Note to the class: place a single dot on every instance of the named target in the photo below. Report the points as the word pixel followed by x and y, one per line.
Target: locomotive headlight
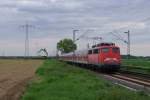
pixel 106 59
pixel 114 59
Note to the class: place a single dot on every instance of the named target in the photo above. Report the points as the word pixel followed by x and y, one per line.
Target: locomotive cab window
pixel 96 51
pixel 90 52
pixel 105 50
pixel 115 50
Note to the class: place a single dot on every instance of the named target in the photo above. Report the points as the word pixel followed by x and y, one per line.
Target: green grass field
pixel 141 65
pixel 60 81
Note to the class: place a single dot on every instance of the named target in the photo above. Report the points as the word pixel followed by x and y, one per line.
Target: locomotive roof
pixel 103 47
pixel 103 44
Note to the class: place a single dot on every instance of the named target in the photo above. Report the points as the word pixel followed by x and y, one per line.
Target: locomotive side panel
pixel 94 57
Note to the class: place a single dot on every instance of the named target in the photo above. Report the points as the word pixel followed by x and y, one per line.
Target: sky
pixel 53 20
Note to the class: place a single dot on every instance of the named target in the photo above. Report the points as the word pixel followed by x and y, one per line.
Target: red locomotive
pixel 105 56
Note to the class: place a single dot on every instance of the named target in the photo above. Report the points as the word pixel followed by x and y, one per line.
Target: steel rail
pixel 138 81
pixel 137 74
pixel 130 78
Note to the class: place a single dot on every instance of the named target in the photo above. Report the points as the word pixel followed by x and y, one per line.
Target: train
pixel 102 56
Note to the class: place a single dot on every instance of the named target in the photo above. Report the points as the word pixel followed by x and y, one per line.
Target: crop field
pixel 60 81
pixel 142 65
pixel 14 75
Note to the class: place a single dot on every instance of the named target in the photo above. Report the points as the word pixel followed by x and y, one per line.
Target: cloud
pixel 127 24
pixel 140 49
pixel 55 20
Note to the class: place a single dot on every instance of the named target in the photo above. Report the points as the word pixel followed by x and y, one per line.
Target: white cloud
pixel 127 25
pixel 61 16
pixel 53 1
pixel 140 49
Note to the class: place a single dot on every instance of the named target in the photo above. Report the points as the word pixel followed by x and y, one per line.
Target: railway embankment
pixel 59 80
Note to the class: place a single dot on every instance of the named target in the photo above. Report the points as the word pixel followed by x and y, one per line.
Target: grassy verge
pixel 140 65
pixel 60 81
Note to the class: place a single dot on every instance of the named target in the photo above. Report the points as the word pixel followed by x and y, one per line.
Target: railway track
pixel 141 75
pixel 131 80
pixel 140 78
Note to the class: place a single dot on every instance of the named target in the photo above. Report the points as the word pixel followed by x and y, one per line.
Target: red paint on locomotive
pixel 105 55
pixel 100 54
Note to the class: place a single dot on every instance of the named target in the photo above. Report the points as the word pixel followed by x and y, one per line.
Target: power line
pixel 118 37
pixel 84 34
pixel 27 28
pixel 143 20
pixel 128 34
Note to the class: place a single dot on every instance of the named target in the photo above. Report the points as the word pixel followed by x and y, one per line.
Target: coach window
pixel 96 51
pixel 90 52
pixel 105 50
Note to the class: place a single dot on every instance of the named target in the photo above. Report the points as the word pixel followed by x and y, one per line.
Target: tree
pixel 66 46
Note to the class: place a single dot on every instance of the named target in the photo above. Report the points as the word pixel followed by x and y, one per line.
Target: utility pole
pixel 74 35
pixel 128 43
pixel 27 27
pixel 125 41
pixel 74 38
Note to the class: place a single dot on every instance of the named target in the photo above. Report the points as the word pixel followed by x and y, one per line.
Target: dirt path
pixel 14 75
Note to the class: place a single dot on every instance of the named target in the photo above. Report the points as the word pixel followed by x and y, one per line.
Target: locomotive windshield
pixel 90 52
pixel 96 51
pixel 115 50
pixel 105 50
